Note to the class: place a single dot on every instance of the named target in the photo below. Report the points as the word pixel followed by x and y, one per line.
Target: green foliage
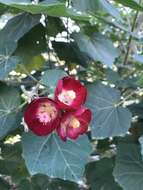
pixel 51 77
pixel 132 4
pixel 9 101
pixel 110 119
pixel 100 43
pixel 128 170
pixel 96 7
pixel 97 47
pixel 42 154
pixel 99 175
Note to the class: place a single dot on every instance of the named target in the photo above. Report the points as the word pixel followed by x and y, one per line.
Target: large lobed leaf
pixel 17 26
pixel 7 61
pixel 9 102
pixel 128 171
pixel 9 35
pixel 96 6
pixel 97 47
pixel 49 155
pixel 56 8
pixel 109 119
pixel 51 77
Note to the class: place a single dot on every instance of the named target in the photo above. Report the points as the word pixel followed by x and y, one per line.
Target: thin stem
pixel 128 96
pixel 47 43
pixel 67 23
pixel 32 77
pixel 131 37
pixel 68 35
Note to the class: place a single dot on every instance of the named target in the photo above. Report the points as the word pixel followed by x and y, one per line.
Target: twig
pixel 32 77
pixel 131 37
pixel 128 96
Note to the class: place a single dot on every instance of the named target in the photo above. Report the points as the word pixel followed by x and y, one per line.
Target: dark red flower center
pixel 46 112
pixel 67 96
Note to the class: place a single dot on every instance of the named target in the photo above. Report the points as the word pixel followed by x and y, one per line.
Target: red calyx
pixel 70 94
pixel 74 124
pixel 42 116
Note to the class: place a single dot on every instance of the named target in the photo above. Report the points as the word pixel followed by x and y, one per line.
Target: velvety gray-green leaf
pixel 109 119
pixel 97 47
pixel 9 35
pixel 9 101
pixel 96 6
pixel 17 26
pixel 141 143
pixel 128 170
pixel 51 77
pixel 56 8
pixel 55 158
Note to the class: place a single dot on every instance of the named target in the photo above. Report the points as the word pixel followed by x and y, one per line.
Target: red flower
pixel 70 94
pixel 74 124
pixel 42 116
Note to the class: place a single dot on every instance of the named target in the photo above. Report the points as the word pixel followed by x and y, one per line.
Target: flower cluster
pixel 65 113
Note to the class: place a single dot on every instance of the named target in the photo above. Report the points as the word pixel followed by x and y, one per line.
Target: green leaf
pixel 43 182
pixel 55 158
pixel 112 76
pixel 40 182
pixel 109 119
pixel 141 143
pixel 99 175
pixel 25 185
pixel 12 163
pixel 32 60
pixel 128 171
pixel 64 185
pixel 96 6
pixel 9 102
pixel 51 77
pixel 17 26
pixel 7 64
pixel 97 47
pixel 130 3
pixel 7 61
pixel 137 109
pixel 56 26
pixel 9 35
pixel 56 8
pixel 43 7
pixel 3 8
pixel 11 152
pixel 7 167
pixel 70 53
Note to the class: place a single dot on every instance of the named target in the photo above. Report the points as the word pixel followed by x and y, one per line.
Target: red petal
pixel 34 124
pixel 72 133
pixel 69 83
pixel 83 115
